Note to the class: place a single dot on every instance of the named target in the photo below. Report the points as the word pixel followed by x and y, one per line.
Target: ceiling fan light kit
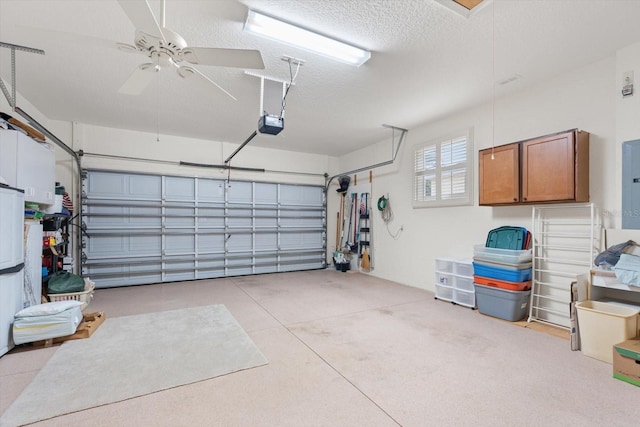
pixel 274 29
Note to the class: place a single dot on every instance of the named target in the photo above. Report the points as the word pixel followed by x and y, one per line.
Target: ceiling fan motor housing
pixel 165 50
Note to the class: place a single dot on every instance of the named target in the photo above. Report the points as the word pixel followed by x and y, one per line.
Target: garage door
pixel 144 228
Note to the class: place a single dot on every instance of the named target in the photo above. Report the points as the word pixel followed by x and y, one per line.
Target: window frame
pixel 468 164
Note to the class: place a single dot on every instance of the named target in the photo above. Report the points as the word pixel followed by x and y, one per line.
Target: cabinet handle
pixel 525 199
pixel 515 199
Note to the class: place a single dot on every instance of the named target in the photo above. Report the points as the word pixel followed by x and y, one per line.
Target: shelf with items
pixel 454 281
pixel 603 283
pixel 55 246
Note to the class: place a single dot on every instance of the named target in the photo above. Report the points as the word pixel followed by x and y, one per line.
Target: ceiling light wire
pixel 293 78
pixel 157 69
pixel 493 79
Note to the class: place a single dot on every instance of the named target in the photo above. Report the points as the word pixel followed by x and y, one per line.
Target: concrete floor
pixel 348 349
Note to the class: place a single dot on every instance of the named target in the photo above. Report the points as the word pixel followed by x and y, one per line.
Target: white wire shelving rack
pixel 566 239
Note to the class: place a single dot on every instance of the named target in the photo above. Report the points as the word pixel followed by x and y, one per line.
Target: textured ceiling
pixel 427 62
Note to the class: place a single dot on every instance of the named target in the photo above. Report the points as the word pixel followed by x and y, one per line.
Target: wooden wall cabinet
pixel 547 169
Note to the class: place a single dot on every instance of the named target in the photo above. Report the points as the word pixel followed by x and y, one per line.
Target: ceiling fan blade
pixel 239 58
pixel 186 72
pixel 141 16
pixel 139 79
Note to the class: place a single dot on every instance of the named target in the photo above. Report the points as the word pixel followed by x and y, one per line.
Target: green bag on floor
pixel 63 282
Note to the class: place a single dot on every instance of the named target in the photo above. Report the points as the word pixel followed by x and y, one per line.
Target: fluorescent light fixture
pixel 284 32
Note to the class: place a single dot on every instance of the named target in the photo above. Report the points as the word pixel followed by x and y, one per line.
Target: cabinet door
pixel 8 158
pixel 548 168
pixel 499 175
pixel 36 171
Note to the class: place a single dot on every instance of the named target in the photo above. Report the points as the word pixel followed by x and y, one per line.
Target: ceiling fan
pixel 167 48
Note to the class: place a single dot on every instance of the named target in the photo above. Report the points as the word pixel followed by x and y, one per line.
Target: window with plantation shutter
pixel 443 172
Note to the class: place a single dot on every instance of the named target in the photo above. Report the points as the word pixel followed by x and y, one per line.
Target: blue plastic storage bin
pixel 510 275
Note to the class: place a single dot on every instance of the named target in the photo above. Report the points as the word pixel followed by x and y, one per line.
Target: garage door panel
pixel 144 245
pixel 240 192
pixel 266 241
pixel 211 265
pixel 107 184
pixel 180 216
pixel 154 228
pixel 240 222
pixel 239 242
pixel 179 244
pixel 266 193
pixel 300 240
pixel 180 271
pixel 300 195
pixel 210 221
pixel 210 243
pixel 239 211
pixel 178 188
pixel 211 274
pixel 210 190
pixel 144 186
pixel 266 222
pixel 306 222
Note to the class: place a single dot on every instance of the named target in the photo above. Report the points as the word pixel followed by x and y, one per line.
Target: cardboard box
pixel 626 361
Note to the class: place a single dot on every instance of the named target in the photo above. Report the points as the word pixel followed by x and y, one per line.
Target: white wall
pixel 173 149
pixel 587 98
pixel 627 115
pixel 583 99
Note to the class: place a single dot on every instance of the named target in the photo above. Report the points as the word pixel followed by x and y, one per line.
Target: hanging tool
pixel 363 225
pixel 348 243
pixel 365 263
pixel 370 252
pixel 355 222
pixel 338 225
pixel 337 230
pixel 366 260
pixel 354 243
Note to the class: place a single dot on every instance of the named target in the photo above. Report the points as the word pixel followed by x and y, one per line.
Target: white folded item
pixel 47 308
pixel 42 327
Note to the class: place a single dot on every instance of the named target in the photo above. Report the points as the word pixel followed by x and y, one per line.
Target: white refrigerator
pixel 11 260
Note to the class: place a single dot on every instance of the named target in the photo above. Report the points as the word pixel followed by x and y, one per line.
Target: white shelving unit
pixel 454 281
pixel 566 239
pixel 604 286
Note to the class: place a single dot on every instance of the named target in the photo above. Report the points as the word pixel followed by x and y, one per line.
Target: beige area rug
pixel 136 355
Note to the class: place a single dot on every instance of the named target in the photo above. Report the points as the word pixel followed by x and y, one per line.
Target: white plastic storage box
pixel 464 283
pixel 444 279
pixel 444 293
pixel 505 256
pixel 465 298
pixel 603 325
pixel 502 303
pixel 444 265
pixel 463 267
